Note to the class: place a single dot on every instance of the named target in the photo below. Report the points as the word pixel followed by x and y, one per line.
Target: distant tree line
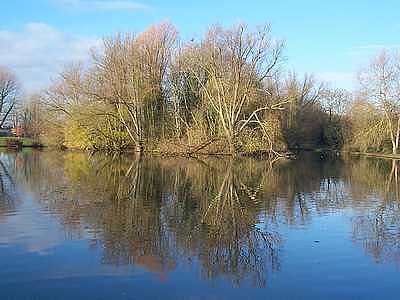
pixel 225 93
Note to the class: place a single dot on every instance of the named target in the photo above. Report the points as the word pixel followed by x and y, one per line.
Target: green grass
pixel 25 141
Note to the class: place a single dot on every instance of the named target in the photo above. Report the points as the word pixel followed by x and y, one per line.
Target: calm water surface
pixel 75 226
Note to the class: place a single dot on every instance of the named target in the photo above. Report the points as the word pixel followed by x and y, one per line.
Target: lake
pixel 80 226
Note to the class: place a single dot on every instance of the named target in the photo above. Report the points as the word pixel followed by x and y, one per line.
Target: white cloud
pixel 101 5
pixel 38 52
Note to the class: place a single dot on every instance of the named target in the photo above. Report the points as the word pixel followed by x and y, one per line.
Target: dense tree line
pixel 227 93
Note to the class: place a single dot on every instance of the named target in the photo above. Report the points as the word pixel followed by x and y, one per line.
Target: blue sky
pixel 329 38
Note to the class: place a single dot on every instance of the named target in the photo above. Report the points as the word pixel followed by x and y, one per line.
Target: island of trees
pixel 226 93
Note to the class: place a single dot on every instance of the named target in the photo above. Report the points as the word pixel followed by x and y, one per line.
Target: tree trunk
pixel 397 139
pixel 232 148
pixel 233 145
pixel 139 147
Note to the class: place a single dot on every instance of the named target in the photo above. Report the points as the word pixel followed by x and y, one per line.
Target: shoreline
pixel 376 155
pixel 354 153
pixel 291 154
pixel 262 155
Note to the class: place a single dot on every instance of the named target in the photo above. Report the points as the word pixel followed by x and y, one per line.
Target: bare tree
pixel 303 118
pixel 9 89
pixel 367 127
pixel 304 92
pixel 380 83
pixel 30 116
pixel 335 101
pixel 235 62
pixel 118 100
pixel 129 76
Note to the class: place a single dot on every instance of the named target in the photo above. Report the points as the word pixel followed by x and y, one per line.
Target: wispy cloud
pixel 101 5
pixel 371 48
pixel 38 52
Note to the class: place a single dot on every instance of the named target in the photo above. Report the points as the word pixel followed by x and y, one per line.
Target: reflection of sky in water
pixel 31 229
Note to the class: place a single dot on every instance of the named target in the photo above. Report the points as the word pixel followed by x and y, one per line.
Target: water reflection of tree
pixel 220 213
pixel 377 227
pixel 298 189
pixel 224 236
pixel 8 196
pixel 210 209
pixel 148 212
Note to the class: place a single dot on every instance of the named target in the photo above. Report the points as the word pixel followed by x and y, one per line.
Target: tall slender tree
pixel 9 91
